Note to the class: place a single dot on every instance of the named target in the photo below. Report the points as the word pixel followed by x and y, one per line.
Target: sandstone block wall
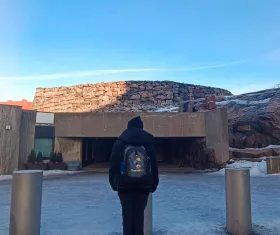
pixel 133 96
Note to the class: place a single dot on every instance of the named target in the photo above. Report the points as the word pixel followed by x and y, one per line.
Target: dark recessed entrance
pixel 97 151
pixel 171 152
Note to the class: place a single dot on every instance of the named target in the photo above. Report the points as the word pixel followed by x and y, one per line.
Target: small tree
pixel 32 157
pixel 53 157
pixel 59 157
pixel 39 157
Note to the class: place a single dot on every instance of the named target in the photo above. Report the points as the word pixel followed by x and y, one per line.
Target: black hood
pixel 135 122
pixel 136 136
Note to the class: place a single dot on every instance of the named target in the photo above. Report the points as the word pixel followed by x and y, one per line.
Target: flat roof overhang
pixel 100 125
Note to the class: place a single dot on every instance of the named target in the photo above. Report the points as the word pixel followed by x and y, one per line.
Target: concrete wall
pixel 27 136
pixel 211 124
pixel 10 120
pixel 112 124
pixel 17 131
pixel 71 148
pixel 216 127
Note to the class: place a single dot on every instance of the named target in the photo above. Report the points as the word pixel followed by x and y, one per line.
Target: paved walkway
pixel 164 168
pixel 184 204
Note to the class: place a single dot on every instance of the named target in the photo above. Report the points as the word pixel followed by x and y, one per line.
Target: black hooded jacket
pixel 136 136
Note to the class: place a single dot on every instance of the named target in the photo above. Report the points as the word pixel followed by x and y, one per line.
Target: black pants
pixel 133 207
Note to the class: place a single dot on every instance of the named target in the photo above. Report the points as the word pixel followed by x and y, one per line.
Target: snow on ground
pixel 256 168
pixel 45 173
pixel 183 204
pixel 5 177
pixel 59 172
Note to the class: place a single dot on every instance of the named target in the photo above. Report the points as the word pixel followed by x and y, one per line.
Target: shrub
pixel 56 157
pixel 53 157
pixel 59 157
pixel 32 157
pixel 39 157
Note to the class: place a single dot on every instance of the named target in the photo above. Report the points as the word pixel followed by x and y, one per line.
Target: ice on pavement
pixel 45 173
pixel 84 204
pixel 59 172
pixel 257 169
pixel 5 177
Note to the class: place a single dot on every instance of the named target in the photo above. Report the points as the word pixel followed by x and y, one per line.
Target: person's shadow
pixel 155 232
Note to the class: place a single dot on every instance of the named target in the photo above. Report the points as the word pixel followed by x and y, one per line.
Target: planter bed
pixel 57 166
pixel 38 166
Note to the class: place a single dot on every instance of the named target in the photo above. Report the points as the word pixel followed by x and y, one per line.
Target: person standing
pixel 133 174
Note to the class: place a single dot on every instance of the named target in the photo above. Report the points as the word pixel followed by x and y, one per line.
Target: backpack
pixel 136 162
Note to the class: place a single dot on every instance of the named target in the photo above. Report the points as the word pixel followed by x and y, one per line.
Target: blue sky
pixel 231 44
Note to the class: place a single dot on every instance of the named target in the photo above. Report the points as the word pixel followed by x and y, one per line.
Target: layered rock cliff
pixel 132 96
pixel 253 118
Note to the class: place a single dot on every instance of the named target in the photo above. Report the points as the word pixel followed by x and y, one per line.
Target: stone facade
pixel 133 96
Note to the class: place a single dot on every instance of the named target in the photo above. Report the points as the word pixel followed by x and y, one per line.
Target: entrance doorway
pixel 97 151
pixel 171 152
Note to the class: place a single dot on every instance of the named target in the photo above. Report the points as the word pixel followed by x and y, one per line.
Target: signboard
pixel 44 118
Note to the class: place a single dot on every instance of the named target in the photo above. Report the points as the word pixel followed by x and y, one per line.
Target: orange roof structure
pixel 24 104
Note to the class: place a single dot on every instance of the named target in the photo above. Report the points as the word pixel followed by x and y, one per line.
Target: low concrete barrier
pixel 273 165
pixel 26 202
pixel 238 202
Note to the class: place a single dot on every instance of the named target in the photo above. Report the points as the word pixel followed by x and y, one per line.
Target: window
pixel 45 146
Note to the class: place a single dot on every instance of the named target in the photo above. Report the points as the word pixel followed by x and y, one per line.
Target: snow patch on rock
pixel 243 102
pixel 267 147
pixel 167 109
